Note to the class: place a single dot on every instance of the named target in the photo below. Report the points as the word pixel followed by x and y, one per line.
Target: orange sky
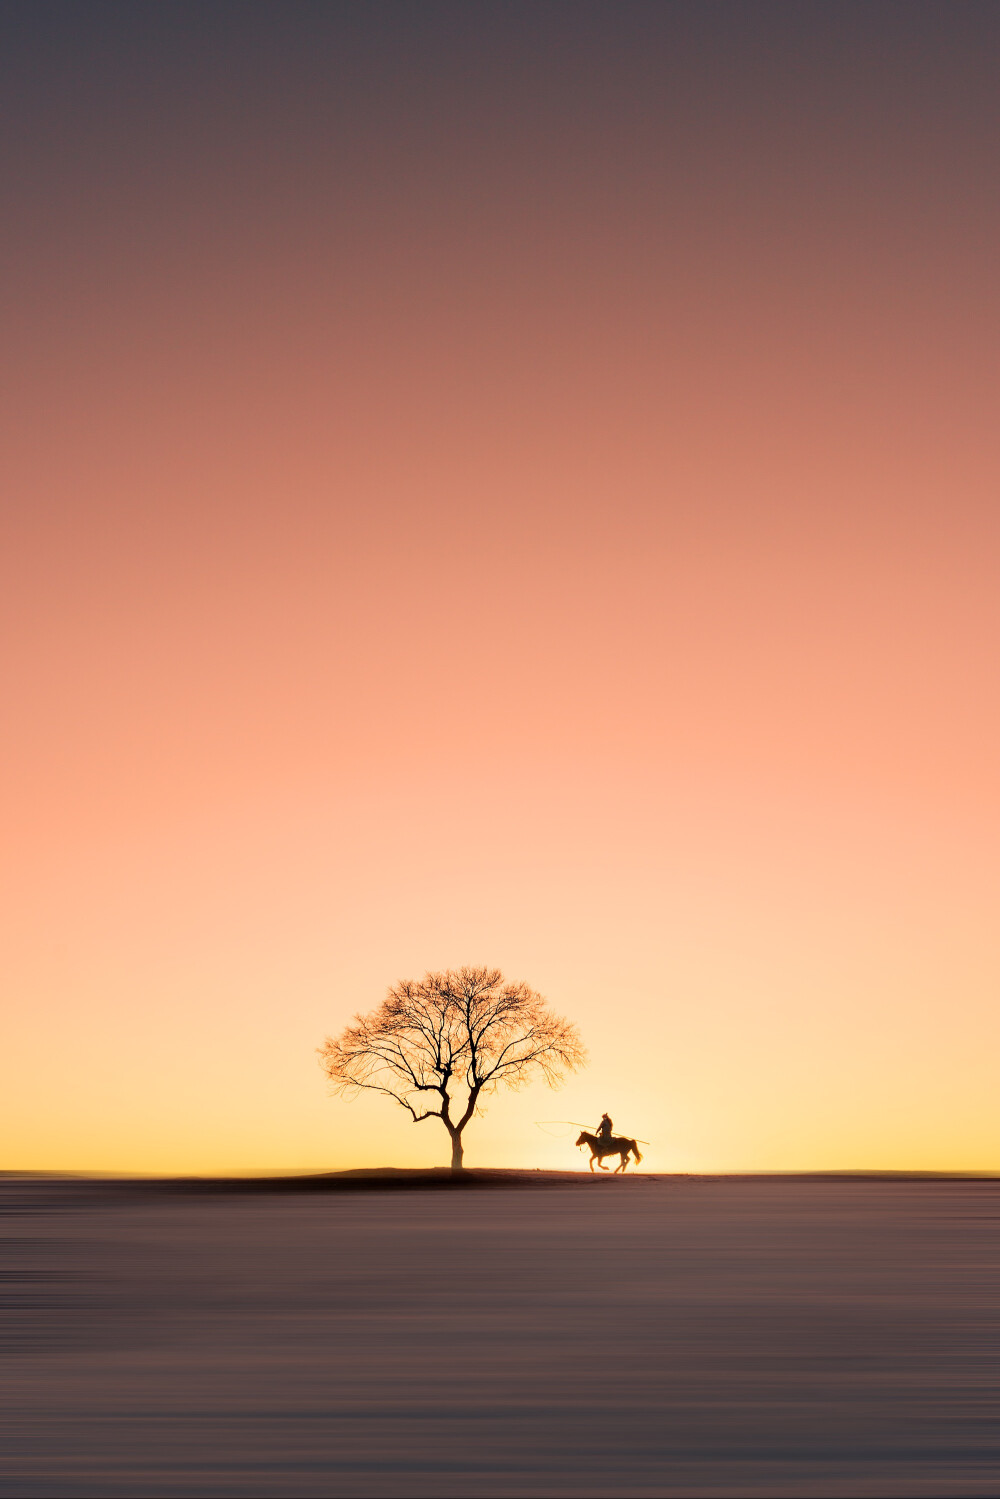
pixel 521 495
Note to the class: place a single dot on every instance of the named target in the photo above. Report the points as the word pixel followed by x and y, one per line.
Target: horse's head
pixel 582 1137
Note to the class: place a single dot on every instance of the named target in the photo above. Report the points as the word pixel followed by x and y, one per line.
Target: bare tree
pixel 438 1046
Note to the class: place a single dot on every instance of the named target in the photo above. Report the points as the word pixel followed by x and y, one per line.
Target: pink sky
pixel 583 563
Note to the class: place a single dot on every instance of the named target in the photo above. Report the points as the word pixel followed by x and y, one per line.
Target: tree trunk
pixel 456 1152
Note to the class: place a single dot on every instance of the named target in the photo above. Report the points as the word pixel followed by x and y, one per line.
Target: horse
pixel 612 1145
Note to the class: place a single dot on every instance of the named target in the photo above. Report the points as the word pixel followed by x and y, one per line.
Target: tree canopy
pixel 438 1045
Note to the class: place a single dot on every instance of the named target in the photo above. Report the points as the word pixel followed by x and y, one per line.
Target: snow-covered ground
pixel 647 1336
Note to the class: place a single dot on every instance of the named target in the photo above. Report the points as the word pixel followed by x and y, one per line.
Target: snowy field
pixel 646 1336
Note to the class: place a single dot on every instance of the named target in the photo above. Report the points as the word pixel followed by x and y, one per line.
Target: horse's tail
pixel 636 1151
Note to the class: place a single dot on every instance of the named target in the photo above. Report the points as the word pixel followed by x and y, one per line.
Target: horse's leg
pixel 593 1158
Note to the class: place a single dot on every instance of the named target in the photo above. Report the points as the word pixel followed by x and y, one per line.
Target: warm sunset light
pixel 499 581
pixel 502 486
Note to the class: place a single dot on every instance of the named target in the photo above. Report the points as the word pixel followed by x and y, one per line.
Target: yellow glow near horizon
pixel 742 1012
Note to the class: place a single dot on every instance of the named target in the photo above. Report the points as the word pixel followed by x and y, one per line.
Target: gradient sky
pixel 509 484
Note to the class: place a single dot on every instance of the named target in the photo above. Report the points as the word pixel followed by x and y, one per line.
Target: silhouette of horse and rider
pixel 605 1142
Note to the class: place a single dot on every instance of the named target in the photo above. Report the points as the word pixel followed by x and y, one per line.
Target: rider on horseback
pixel 604 1143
